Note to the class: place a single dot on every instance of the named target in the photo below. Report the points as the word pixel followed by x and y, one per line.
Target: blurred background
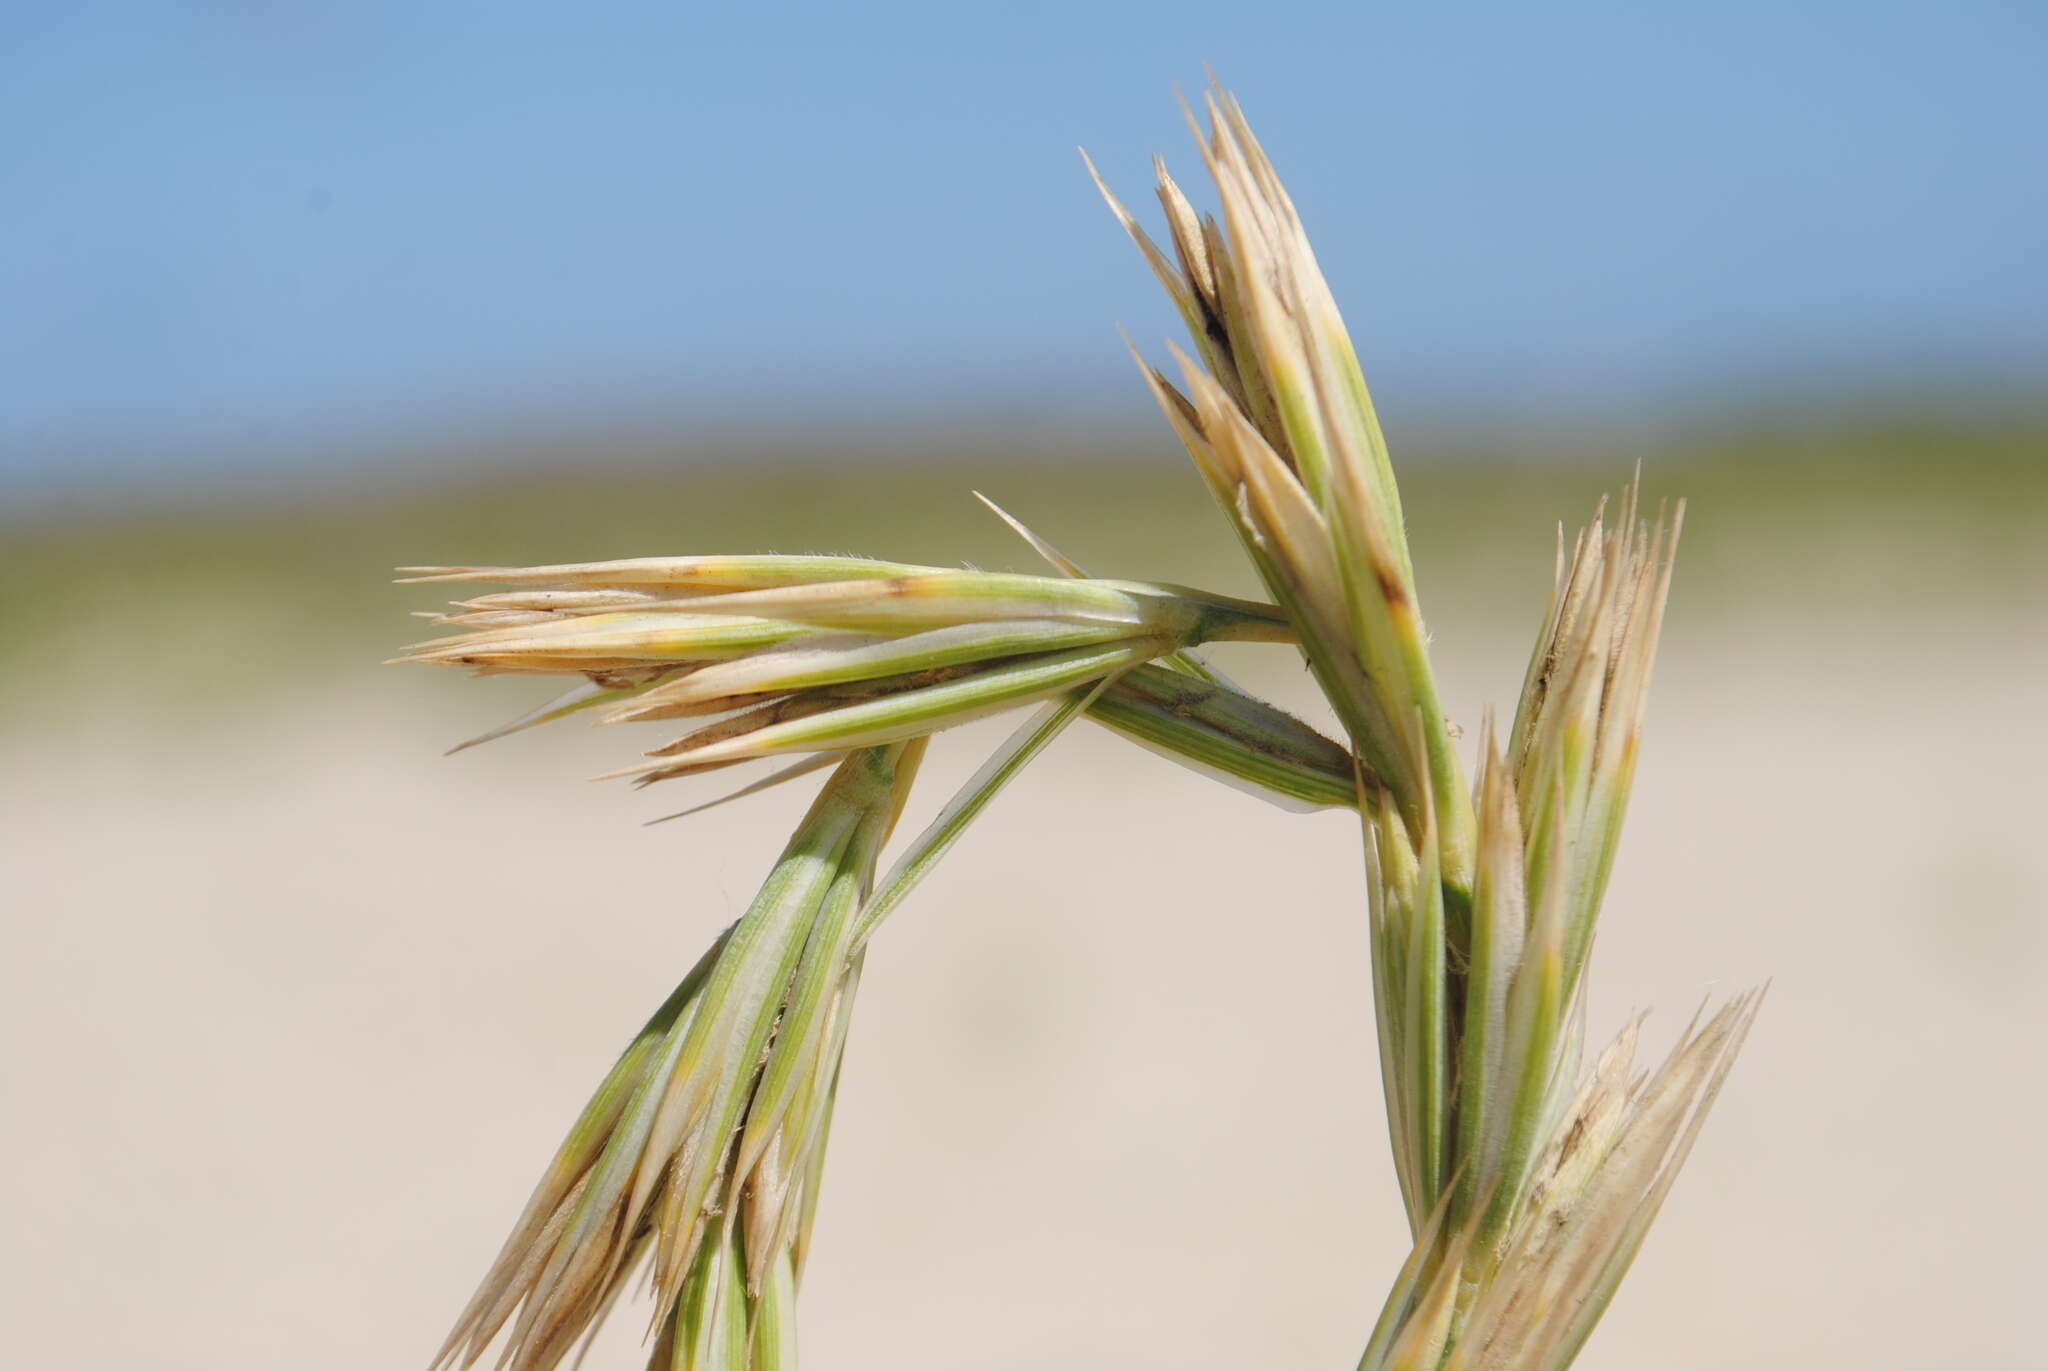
pixel 295 1009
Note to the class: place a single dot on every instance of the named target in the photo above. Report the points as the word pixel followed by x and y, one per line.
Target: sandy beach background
pixel 296 1008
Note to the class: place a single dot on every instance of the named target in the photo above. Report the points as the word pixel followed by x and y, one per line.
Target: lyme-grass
pixel 1529 1185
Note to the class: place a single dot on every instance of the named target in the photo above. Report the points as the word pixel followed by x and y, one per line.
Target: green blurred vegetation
pixel 163 610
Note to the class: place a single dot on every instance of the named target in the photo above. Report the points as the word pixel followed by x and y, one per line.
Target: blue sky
pixel 289 229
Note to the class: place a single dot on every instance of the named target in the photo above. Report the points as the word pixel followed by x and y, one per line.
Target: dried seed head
pixel 1471 1298
pixel 1604 1174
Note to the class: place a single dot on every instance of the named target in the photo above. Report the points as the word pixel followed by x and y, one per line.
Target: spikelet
pixel 1527 1299
pixel 698 1155
pixel 1276 415
pixel 812 654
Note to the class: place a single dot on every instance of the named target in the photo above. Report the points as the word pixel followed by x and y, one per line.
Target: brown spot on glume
pixel 1539 689
pixel 1391 589
pixel 1573 1136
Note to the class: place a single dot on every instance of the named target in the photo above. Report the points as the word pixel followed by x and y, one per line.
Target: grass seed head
pixel 1578 728
pixel 699 1155
pixel 813 654
pixel 1277 417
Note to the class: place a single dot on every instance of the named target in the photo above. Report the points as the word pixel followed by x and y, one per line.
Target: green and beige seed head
pixel 699 1157
pixel 1578 728
pixel 1278 419
pixel 813 654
